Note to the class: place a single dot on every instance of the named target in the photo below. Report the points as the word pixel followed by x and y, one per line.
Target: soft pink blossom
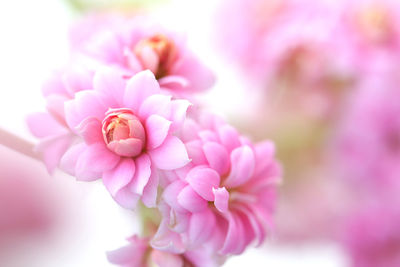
pixel 225 197
pixel 139 44
pixel 127 128
pixel 139 253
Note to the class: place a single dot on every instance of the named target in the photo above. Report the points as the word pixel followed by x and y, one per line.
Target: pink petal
pixel 229 137
pixel 111 84
pixel 53 148
pixel 156 104
pixel 173 82
pixel 178 113
pixel 132 61
pixel 149 59
pixel 90 130
pixel 120 176
pixel 126 147
pixel 44 125
pixel 126 198
pixel 242 166
pixel 86 104
pixel 77 79
pixel 170 195
pixel 166 259
pixel 202 180
pixel 142 174
pixel 195 152
pixel 221 199
pixel 191 201
pixel 170 155
pixel 55 106
pixel 70 158
pixel 157 129
pixel 95 160
pixel 139 87
pixel 217 157
pixel 150 191
pixel 201 226
pixel 130 255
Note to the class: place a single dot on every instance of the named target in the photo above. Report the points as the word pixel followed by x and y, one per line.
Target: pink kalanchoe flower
pixel 127 130
pixel 225 197
pixel 372 235
pixel 139 253
pixel 368 143
pixel 138 44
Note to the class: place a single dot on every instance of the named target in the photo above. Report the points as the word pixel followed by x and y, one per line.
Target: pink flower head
pixel 372 236
pixel 225 197
pixel 127 129
pixel 139 253
pixel 136 45
pixel 368 143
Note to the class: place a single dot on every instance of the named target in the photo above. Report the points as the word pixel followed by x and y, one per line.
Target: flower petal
pixel 201 226
pixel 70 158
pixel 242 166
pixel 111 83
pixel 170 195
pixel 142 174
pixel 178 113
pixel 90 130
pixel 95 160
pixel 217 157
pixel 120 176
pixel 42 124
pixel 203 180
pixel 156 104
pixel 139 87
pixel 170 155
pixel 221 199
pixel 150 191
pixel 157 129
pixel 190 200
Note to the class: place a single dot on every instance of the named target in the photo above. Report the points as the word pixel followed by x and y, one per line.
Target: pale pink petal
pixel 53 148
pixel 126 147
pixel 95 160
pixel 156 104
pixel 126 198
pixel 217 157
pixel 178 113
pixel 111 83
pixel 201 226
pixel 142 174
pixel 44 125
pixel 232 240
pixel 157 129
pixel 203 180
pixel 221 199
pixel 70 158
pixel 149 59
pixel 208 136
pixel 229 137
pixel 86 104
pixel 242 166
pixel 132 61
pixel 173 82
pixel 77 79
pixel 118 177
pixel 55 106
pixel 166 259
pixel 167 240
pixel 139 87
pixel 150 191
pixel 90 130
pixel 195 152
pixel 130 255
pixel 170 195
pixel 191 201
pixel 170 155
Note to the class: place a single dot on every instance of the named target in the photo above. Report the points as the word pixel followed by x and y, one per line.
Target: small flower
pixel 127 130
pixel 226 196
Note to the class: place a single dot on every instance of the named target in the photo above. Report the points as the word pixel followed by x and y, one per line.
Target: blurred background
pixel 320 79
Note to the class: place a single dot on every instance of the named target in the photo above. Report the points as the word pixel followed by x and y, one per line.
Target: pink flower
pixel 140 254
pixel 225 197
pixel 368 142
pixel 127 129
pixel 136 45
pixel 372 236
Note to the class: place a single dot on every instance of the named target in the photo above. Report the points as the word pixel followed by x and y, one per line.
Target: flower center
pixel 123 132
pixel 156 53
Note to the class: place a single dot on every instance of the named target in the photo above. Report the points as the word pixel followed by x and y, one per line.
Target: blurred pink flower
pixel 138 44
pixel 368 143
pixel 372 236
pixel 139 253
pixel 127 129
pixel 225 197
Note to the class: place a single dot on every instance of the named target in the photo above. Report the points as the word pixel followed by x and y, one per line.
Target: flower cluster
pixel 122 111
